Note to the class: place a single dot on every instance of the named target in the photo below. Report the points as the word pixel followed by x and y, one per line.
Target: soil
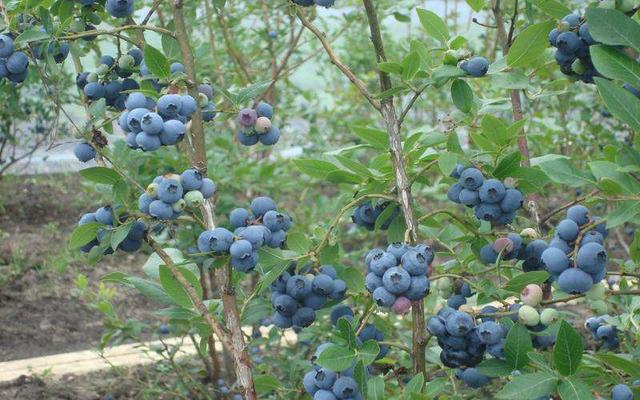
pixel 40 305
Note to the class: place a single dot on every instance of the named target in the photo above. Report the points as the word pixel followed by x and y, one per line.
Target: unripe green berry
pixel 179 205
pixel 175 177
pixel 549 316
pixel 531 295
pixel 95 19
pixel 203 99
pixel 152 190
pixel 194 198
pixel 528 315
pixel 444 284
pixel 126 61
pixel 450 58
pixel 529 233
pixel 578 67
pixel 102 69
pixel 262 125
pixel 77 26
pixel 92 77
pixel 563 26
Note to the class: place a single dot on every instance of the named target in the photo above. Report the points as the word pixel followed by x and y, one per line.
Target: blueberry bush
pixel 359 199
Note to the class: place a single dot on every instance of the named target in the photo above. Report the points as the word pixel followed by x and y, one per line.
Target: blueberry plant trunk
pixel 198 158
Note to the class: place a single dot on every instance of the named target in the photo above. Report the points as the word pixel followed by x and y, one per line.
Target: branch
pixel 337 62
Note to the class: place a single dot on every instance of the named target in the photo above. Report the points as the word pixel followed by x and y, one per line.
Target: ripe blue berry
pixel 264 109
pixel 169 105
pixel 477 66
pixel 136 100
pixel 271 137
pixel 488 255
pixel 383 297
pixel 191 179
pixel 322 284
pixel 473 378
pixel 134 117
pixel 94 90
pixel 568 230
pixel 488 212
pixel 119 8
pixel 17 62
pixel 555 260
pixel 469 198
pixel 414 263
pixel 419 288
pixel 239 217
pixel 261 205
pixel 453 194
pixel 104 215
pixel 172 132
pixel 578 214
pixel 285 305
pixel 6 46
pixel 246 263
pixel 161 210
pixel 621 392
pixel 303 317
pixel 345 387
pixel 575 281
pixel 176 67
pixel 568 42
pixel 459 323
pixel 170 191
pixel 151 123
pixel 208 188
pixel 148 142
pixel 396 280
pixel 490 332
pixel 189 106
pixel 298 287
pixel 558 243
pixel 591 258
pixel 492 191
pixel 471 178
pixel 84 152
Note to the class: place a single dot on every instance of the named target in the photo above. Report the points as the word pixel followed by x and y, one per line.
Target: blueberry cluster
pixel 462 342
pixel 263 226
pixel 576 256
pixel 14 65
pixel 491 199
pixel 325 384
pixel 368 332
pixel 150 125
pixel 168 195
pixel 104 215
pixel 309 3
pixel 84 152
pixel 604 332
pixel 112 79
pixel 459 294
pixel 366 215
pixel 572 39
pixel 296 297
pixel 255 125
pixel 512 247
pixel 399 275
pixel 475 66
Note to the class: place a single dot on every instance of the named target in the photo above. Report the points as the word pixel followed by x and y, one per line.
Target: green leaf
pixel 156 62
pixel 102 175
pixel 517 283
pixel 567 352
pixel 443 73
pixel 507 165
pixel 375 137
pixel 83 234
pixel 476 5
pixel 266 383
pixel 414 386
pixel 175 290
pixel 120 234
pixel 517 345
pixel 529 386
pixel 561 171
pixel 375 388
pixel 612 27
pixel 390 67
pixel 116 277
pixel 348 333
pixel 495 129
pixel 31 35
pixel 252 91
pixel 622 104
pixel 552 8
pixel 170 45
pixel 298 242
pixel 433 25
pixel 150 289
pixel 361 376
pixel 615 65
pixel 410 65
pixel 529 44
pixel 574 389
pixel 315 168
pixel 336 358
pixel 369 351
pixel 462 95
pixel 627 366
pixel 447 162
pixel 494 368
pixel 97 109
pixel 625 211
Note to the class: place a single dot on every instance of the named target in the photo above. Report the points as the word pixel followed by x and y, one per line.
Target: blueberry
pixel 560 244
pixel 568 42
pixel 303 3
pixel 314 301
pixel 457 170
pixel 497 350
pixel 553 36
pixel 474 379
pixel 492 191
pixel 161 210
pixel 104 215
pixel 606 332
pixel 246 139
pixel 471 178
pixel 488 255
pixel 169 105
pixel 396 280
pixel 239 217
pixel 453 194
pixel 372 282
pixel 208 112
pixel 143 203
pixel 84 152
pixel 488 212
pixel 247 117
pixel 398 249
pixel 456 301
pixel 206 89
pixel 601 228
pixel 426 252
pixel 274 220
pixel 436 326
pixel 329 270
pixel 260 205
pixel 414 263
pixel 304 317
pixel 217 240
pixel 177 67
pixel 459 323
pixel 578 214
pixel 94 90
pixel 564 59
pixel 254 234
pixel 621 392
pixel 87 218
pixel 383 297
pixel 572 19
pixel 477 66
pixel 533 254
pixel 189 106
pixel 309 383
pixel 137 55
pixel 130 245
pixel 277 239
pixel 324 378
pixel 264 109
pixel 281 321
pixel 208 188
pixel 172 132
pixel 574 281
pixel 324 395
pixel 285 305
pixel 241 248
pixel 325 3
pixel 298 287
pixel 152 123
pixel 339 290
pixel 135 100
pixel 170 190
pixel 345 387
pixel 191 179
pixel 555 260
pixel 148 142
pixel 418 289
pixel 271 137
pixel 592 237
pixel 591 258
pixel 6 46
pixel 381 262
pixel 469 198
pixel 119 8
pixel 134 117
pixel 567 230
pixel 322 284
pixel 245 263
pixel 17 62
